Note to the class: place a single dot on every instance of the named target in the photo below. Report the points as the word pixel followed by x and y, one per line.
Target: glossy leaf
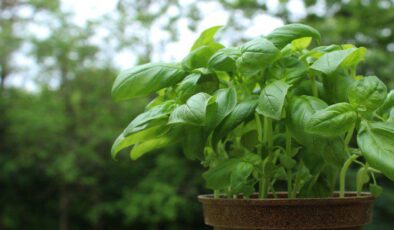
pixel 124 141
pixel 330 62
pixel 193 112
pixel 199 57
pixel 196 83
pixel 287 33
pixel 225 102
pixel 332 121
pixel 206 37
pixel 156 113
pixel 272 99
pixel 376 142
pixel 241 113
pixel 368 93
pixel 387 105
pixel 224 59
pixel 145 79
pixel 256 55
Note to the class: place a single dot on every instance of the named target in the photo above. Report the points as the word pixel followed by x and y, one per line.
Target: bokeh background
pixel 58 60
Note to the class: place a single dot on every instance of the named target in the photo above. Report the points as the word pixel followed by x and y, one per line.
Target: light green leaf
pixel 199 57
pixel 123 141
pixel 376 142
pixel 375 189
pixel 287 33
pixel 206 37
pixel 193 112
pixel 332 121
pixel 368 93
pixel 169 139
pixel 156 113
pixel 224 59
pixel 301 43
pixel 145 79
pixel 256 55
pixel 330 62
pixel 272 99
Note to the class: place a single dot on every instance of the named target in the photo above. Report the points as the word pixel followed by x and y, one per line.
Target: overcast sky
pixel 213 14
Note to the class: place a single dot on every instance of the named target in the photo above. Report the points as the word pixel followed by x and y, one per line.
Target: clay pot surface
pixel 333 213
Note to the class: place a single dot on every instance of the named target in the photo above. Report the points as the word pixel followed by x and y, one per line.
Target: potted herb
pixel 266 115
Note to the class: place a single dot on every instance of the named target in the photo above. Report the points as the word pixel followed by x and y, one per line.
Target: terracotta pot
pixel 334 213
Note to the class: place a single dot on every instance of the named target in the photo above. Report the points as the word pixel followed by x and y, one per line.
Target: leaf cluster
pixel 268 112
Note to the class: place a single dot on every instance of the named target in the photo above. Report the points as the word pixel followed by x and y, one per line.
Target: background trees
pixel 57 119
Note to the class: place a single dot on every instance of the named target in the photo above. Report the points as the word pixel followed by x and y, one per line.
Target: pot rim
pixel 350 198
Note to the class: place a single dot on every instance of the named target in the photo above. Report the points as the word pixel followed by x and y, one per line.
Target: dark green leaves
pixel 241 113
pixel 256 55
pixel 206 37
pixel 145 79
pixel 376 141
pixel 332 121
pixel 368 93
pixel 282 36
pixel 272 99
pixel 330 62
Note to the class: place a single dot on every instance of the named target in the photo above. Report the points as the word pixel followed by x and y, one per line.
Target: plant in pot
pixel 271 114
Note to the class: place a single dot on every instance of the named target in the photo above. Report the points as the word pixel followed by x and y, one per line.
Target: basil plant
pixel 271 113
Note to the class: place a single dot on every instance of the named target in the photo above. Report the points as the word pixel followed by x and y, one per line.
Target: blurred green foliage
pixel 55 166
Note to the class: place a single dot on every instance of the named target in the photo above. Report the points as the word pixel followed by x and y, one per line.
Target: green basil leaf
pixel 368 93
pixel 196 83
pixel 224 59
pixel 317 148
pixel 225 102
pixel 206 37
pixel 330 62
pixel 290 69
pixel 387 105
pixel 287 161
pixel 156 113
pixel 193 142
pixel 199 57
pixel 361 179
pixel 375 140
pixel 332 121
pixel 336 87
pixel 241 113
pixel 256 55
pixel 272 99
pixel 299 111
pixel 124 141
pixel 145 79
pixel 375 189
pixel 171 138
pixel 301 43
pixel 240 174
pixel 219 177
pixel 286 34
pixel 193 112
